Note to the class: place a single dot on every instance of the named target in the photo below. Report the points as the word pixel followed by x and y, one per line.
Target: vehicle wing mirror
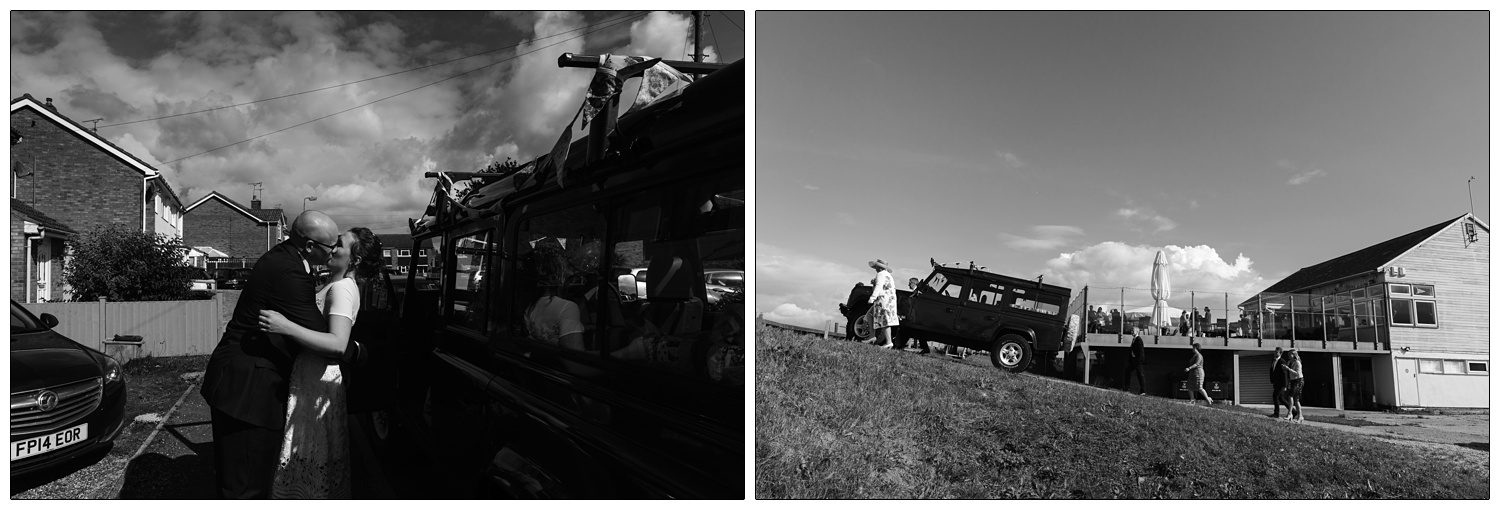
pixel 49 320
pixel 627 286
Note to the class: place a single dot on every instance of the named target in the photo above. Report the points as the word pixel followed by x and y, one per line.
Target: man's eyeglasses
pixel 331 247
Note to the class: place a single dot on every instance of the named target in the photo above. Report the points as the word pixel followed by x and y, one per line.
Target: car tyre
pixel 860 329
pixel 1011 352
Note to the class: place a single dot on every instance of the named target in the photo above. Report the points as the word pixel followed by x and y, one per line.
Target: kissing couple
pixel 274 383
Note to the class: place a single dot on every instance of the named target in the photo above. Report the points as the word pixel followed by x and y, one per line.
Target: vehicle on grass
pixel 536 357
pixel 66 400
pixel 1013 319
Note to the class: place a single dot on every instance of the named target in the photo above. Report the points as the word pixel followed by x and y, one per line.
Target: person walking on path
pixel 883 314
pixel 1294 385
pixel 1196 368
pixel 1278 384
pixel 1137 360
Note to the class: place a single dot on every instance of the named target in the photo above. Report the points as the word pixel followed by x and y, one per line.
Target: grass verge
pixel 846 420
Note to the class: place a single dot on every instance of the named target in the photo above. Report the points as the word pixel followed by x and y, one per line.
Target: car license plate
pixel 43 444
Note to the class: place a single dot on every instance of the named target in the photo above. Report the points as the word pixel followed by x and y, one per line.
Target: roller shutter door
pixel 1255 379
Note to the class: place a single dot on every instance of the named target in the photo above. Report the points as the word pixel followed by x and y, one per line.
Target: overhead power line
pixel 715 35
pixel 486 66
pixel 636 14
pixel 731 21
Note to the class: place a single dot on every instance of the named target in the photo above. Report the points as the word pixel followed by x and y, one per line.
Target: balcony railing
pixel 1126 311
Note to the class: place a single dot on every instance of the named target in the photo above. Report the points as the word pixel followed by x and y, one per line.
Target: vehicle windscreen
pixel 21 321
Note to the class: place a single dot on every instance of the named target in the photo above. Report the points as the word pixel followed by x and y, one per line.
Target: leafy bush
pixel 121 264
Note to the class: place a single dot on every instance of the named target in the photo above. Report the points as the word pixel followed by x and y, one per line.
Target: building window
pixel 424 253
pixel 1452 366
pixel 386 253
pixel 1400 290
pixel 1430 366
pixel 1426 313
pixel 1421 290
pixel 1376 291
pixel 1401 312
pixel 405 253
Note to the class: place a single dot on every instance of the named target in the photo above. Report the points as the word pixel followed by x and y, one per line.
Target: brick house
pixel 35 240
pixel 400 256
pixel 67 175
pixel 231 234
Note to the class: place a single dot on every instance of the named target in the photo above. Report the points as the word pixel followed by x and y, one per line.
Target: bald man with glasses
pixel 245 383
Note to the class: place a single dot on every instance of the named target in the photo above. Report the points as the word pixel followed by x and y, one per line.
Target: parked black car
pixel 232 278
pixel 66 400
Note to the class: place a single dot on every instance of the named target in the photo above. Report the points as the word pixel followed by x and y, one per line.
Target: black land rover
pixel 1010 317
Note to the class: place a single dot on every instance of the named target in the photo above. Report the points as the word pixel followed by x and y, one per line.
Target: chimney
pixel 49 105
pixel 254 203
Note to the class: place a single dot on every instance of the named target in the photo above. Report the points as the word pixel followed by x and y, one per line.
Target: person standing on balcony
pixel 1208 321
pixel 883 314
pixel 1196 368
pixel 1137 360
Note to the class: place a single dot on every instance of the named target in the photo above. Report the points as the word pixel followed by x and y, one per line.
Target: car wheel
pixel 1011 352
pixel 860 329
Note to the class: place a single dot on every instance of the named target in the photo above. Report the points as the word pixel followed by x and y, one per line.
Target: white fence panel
pixel 166 328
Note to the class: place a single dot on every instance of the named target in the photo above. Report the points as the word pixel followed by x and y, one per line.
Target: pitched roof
pixel 270 215
pixel 397 241
pixel 254 214
pixel 209 251
pixel 39 217
pixel 1359 262
pixel 26 101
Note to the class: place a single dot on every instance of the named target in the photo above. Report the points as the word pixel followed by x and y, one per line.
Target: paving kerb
pixel 118 484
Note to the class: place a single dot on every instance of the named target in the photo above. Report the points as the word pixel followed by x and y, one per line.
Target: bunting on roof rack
pixel 658 82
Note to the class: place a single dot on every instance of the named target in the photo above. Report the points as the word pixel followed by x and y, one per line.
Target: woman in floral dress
pixel 883 300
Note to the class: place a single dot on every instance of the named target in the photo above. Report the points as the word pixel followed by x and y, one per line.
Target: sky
pixel 365 166
pixel 1075 146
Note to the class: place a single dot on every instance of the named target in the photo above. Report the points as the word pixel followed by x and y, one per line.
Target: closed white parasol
pixel 1161 290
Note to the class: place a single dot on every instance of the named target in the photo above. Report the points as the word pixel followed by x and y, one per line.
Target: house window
pixel 1430 366
pixel 1421 290
pixel 424 253
pixel 1377 291
pixel 1479 367
pixel 1401 312
pixel 405 253
pixel 1400 290
pixel 1426 313
pixel 1452 366
pixel 386 253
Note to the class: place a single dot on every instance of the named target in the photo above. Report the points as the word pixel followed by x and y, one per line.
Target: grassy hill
pixel 846 420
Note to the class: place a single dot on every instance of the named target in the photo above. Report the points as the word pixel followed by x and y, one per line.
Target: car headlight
pixel 112 371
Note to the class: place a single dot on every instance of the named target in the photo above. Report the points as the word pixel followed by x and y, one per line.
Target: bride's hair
pixel 370 276
pixel 368 252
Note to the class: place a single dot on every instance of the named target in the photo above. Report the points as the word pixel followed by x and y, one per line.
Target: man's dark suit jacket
pixel 247 373
pixel 1278 374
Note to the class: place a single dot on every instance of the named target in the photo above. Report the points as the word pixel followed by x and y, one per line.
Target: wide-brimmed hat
pixel 879 264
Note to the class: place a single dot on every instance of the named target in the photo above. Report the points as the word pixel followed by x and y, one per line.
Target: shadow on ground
pixel 157 476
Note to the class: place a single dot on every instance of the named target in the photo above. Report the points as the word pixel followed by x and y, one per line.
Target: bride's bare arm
pixel 330 344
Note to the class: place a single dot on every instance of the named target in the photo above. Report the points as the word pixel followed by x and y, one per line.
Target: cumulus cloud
pixel 1142 217
pixel 1109 266
pixel 807 186
pixel 364 163
pixel 1044 237
pixel 800 288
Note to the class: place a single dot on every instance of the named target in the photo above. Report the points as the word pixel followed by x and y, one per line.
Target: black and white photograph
pixel 1122 255
pixel 378 255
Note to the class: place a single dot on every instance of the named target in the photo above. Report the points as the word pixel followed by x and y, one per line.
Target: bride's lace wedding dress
pixel 314 461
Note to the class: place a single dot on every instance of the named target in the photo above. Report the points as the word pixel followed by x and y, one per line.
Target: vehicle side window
pixel 557 278
pixel 951 288
pixel 988 296
pixel 471 281
pixel 673 323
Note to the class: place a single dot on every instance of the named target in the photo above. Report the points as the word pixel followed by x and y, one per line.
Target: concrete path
pixel 178 462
